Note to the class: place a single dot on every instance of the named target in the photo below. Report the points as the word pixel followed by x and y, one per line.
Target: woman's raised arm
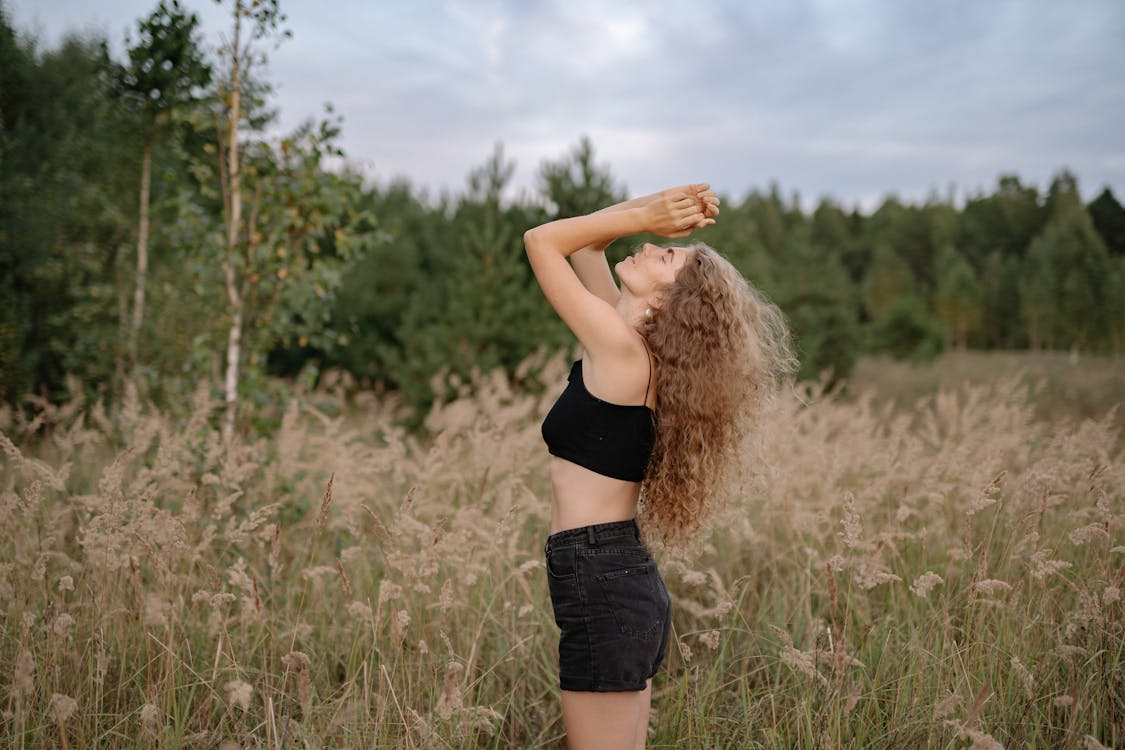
pixel 589 262
pixel 590 315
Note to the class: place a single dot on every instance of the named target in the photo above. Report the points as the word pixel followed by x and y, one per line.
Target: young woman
pixel 676 364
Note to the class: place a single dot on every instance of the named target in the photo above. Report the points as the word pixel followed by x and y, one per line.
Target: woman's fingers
pixel 691 220
pixel 692 189
pixel 708 203
pixel 680 211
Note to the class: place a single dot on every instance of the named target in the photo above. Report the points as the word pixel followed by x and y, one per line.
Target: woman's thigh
pixel 608 720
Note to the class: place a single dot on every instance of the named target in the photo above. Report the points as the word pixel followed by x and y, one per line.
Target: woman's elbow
pixel 530 240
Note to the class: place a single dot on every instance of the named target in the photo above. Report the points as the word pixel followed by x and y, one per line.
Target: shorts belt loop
pixel 590 538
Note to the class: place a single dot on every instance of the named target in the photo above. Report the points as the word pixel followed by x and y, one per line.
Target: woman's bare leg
pixel 606 721
pixel 642 719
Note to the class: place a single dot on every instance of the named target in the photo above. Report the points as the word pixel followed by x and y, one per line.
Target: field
pixel 932 557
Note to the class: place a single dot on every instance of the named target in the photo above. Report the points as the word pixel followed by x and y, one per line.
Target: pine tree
pixel 1116 309
pixel 887 279
pixel 575 186
pixel 907 330
pixel 957 299
pixel 1065 286
pixel 1108 216
pixel 1005 221
pixel 480 309
pixel 820 302
pixel 1000 302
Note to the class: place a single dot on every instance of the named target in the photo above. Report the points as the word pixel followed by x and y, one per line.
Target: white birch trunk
pixel 234 352
pixel 142 258
pixel 234 220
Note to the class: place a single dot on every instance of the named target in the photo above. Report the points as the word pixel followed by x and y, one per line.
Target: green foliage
pixel 64 193
pixel 574 185
pixel 370 306
pixel 1108 216
pixel 830 230
pixel 771 219
pixel 1005 221
pixel 1065 286
pixel 913 234
pixel 907 330
pixel 166 69
pixel 479 308
pixel 265 18
pixel 887 280
pixel 1063 198
pixel 820 302
pixel 957 299
pixel 1115 313
pixel 1000 302
pixel 305 232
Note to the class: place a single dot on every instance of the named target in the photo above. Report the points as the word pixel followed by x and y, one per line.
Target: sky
pixel 853 100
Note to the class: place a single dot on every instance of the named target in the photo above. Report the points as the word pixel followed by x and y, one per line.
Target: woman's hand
pixel 678 211
pixel 710 204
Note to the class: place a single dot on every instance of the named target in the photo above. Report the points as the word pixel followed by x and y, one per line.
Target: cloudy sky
pixel 853 99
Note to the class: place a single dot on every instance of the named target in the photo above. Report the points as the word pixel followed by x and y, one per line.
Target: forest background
pixel 395 285
pixel 271 473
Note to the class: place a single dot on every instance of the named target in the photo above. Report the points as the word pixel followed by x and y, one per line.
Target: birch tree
pixel 164 72
pixel 252 22
pixel 291 224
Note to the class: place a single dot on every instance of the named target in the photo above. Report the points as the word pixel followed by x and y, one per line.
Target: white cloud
pixel 854 99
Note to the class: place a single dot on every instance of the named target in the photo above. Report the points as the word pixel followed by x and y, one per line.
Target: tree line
pixel 151 232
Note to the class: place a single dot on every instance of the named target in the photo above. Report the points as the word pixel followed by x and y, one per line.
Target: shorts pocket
pixel 561 563
pixel 632 589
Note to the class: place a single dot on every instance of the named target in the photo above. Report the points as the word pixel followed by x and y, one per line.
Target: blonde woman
pixel 677 362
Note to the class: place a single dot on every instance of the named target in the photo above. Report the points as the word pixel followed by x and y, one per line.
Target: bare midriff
pixel 581 497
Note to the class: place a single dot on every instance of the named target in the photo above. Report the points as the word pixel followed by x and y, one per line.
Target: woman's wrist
pixel 638 218
pixel 567 236
pixel 625 221
pixel 628 204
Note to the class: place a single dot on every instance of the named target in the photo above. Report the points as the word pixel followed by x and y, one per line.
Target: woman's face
pixel 652 268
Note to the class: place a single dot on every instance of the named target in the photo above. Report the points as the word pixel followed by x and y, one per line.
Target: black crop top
pixel 611 439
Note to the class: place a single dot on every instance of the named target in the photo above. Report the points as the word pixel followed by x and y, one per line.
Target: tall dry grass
pixel 949 575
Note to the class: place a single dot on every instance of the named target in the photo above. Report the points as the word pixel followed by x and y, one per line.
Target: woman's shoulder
pixel 620 377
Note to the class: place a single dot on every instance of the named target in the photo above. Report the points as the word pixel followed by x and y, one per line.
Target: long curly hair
pixel 722 353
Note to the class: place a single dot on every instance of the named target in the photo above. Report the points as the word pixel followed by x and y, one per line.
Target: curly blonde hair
pixel 722 353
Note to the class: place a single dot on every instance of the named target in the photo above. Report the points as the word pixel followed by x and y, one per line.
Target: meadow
pixel 931 557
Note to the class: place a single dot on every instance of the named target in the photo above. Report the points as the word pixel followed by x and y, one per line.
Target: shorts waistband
pixel 593 535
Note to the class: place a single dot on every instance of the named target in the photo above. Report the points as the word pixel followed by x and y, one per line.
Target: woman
pixel 676 364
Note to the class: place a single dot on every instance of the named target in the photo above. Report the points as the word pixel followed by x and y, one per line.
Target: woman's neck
pixel 631 309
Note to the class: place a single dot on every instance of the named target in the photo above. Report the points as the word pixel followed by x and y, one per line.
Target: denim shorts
pixel 611 606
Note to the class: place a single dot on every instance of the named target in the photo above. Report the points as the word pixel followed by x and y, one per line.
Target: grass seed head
pixel 23 677
pixel 239 693
pixel 62 707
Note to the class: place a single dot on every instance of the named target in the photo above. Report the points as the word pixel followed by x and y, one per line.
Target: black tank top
pixel 615 440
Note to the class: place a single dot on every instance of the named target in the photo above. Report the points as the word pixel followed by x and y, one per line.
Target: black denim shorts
pixel 610 604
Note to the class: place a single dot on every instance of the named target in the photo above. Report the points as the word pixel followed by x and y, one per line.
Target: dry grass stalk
pixel 127 520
